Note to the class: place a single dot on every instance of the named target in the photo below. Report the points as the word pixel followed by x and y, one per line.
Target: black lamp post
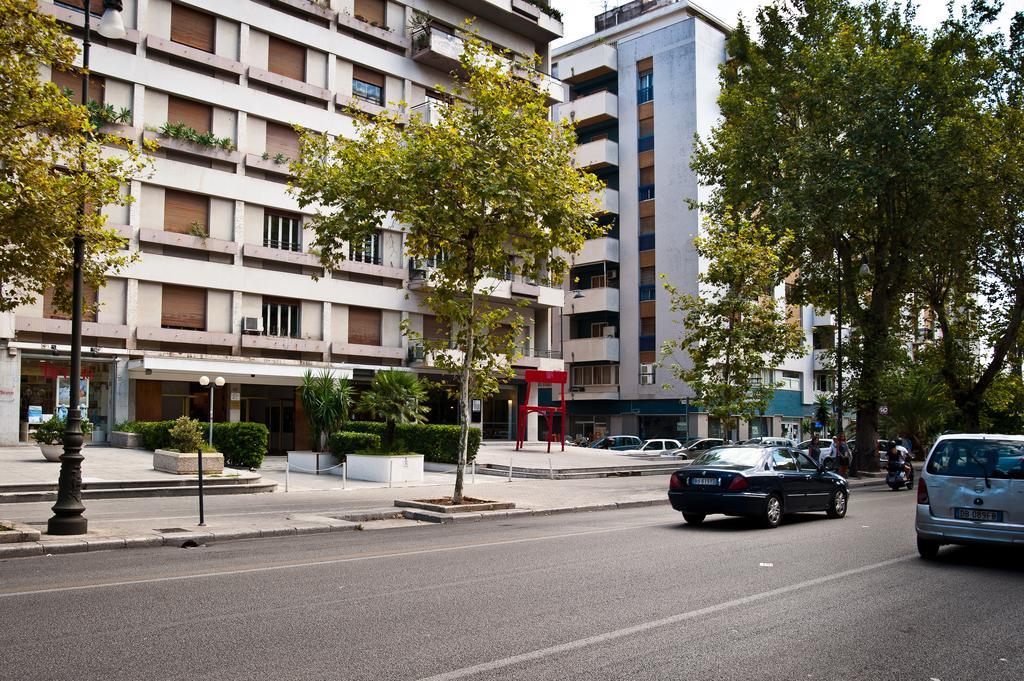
pixel 67 512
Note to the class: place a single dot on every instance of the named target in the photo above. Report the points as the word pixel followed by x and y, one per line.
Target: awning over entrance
pixel 233 371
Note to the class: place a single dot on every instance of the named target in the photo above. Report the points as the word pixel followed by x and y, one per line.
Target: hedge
pixel 437 443
pixel 243 444
pixel 343 443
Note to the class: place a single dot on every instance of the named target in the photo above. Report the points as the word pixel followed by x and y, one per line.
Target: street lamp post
pixel 219 382
pixel 67 516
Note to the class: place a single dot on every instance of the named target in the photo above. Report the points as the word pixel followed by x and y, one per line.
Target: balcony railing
pixel 647 291
pixel 645 242
pixel 645 94
pixel 646 192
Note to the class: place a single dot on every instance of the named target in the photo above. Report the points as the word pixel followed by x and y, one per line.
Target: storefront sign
pixel 7 394
pixel 236 397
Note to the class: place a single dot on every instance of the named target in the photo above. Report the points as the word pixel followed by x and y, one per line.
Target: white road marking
pixel 655 624
pixel 330 561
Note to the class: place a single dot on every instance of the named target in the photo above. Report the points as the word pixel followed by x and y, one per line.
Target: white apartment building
pixel 223 284
pixel 640 88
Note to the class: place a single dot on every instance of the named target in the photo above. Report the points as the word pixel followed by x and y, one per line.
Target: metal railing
pixel 646 192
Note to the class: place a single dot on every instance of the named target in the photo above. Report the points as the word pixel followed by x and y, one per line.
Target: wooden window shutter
pixel 193 114
pixel 67 80
pixel 645 64
pixel 434 330
pixel 368 76
pixel 286 59
pixel 95 6
pixel 646 127
pixel 282 139
pixel 371 11
pixel 193 28
pixel 364 326
pixel 88 297
pixel 647 225
pixel 183 308
pixel 648 326
pixel 647 176
pixel 182 209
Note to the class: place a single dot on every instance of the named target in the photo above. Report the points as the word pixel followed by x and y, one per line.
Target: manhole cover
pixel 169 530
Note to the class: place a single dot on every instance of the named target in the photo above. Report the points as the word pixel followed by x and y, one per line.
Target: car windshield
pixel 744 457
pixel 968 458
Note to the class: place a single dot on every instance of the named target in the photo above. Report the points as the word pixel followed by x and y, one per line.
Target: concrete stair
pixel 126 489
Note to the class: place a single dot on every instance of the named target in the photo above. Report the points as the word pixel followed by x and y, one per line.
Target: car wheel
pixel 694 518
pixel 772 511
pixel 837 504
pixel 928 549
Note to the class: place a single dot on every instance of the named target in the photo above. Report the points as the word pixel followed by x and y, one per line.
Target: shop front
pixel 46 392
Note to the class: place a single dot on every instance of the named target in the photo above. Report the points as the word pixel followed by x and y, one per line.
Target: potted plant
pixel 182 458
pixel 50 437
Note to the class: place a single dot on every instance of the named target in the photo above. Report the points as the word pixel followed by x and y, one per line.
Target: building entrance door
pixel 281 424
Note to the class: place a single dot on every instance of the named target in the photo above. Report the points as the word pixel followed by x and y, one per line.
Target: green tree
pixel 326 401
pixel 734 330
pixel 488 192
pixel 918 407
pixel 849 125
pixel 51 161
pixel 396 397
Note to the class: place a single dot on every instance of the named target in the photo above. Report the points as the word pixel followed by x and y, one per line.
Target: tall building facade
pixel 640 88
pixel 223 285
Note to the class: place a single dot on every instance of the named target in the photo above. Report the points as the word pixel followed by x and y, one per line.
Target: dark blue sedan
pixel 758 482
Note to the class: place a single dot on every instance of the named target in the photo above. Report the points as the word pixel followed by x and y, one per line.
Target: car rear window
pixel 746 457
pixel 975 458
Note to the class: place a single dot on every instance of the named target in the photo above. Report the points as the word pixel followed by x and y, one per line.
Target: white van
pixel 971 492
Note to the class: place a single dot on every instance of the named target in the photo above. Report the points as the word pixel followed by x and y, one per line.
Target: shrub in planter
pixel 437 443
pixel 243 444
pixel 186 435
pixel 52 432
pixel 344 443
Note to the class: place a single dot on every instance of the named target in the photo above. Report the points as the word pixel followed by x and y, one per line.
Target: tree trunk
pixel 389 435
pixel 464 404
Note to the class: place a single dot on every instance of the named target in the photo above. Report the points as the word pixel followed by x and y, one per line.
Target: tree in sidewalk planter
pixel 326 401
pixel 850 126
pixel 918 406
pixel 395 397
pixel 186 435
pixel 734 330
pixel 488 193
pixel 45 143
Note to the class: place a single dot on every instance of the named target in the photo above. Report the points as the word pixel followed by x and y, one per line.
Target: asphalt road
pixel 631 594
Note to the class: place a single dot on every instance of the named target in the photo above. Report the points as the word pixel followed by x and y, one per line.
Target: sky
pixel 578 15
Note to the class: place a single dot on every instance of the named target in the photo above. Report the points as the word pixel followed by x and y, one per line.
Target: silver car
pixel 971 492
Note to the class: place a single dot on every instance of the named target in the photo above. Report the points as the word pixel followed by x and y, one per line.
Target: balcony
pixel 62 327
pixel 516 15
pixel 580 66
pixel 603 299
pixel 349 23
pixel 285 343
pixel 185 336
pixel 604 249
pixel 823 318
pixel 608 201
pixel 594 108
pixel 367 351
pixel 545 360
pixel 822 361
pixel 592 350
pixel 194 56
pixel 258 252
pixel 74 17
pixel 597 154
pixel 268 165
pixel 197 243
pixel 430 112
pixel 443 51
pixel 213 153
pixel 292 85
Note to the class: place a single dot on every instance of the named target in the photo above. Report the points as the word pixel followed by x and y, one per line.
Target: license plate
pixel 976 514
pixel 704 481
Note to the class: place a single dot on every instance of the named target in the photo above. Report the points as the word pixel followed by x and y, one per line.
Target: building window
pixel 286 59
pixel 598 281
pixel 600 330
pixel 183 307
pixel 645 92
pixel 281 319
pixel 647 326
pixel 282 141
pixel 364 326
pixel 192 28
pixel 372 12
pixel 71 84
pixel 195 115
pixel 282 231
pixel 368 86
pixel 647 374
pixel 790 380
pixel 51 311
pixel 600 374
pixel 368 251
pixel 823 382
pixel 186 213
pixel 647 183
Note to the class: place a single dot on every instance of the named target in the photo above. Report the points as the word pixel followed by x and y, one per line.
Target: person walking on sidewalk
pixel 841 453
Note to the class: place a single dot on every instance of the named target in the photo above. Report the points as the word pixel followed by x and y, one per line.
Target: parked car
pixel 970 492
pixel 655 447
pixel 770 441
pixel 697 447
pixel 617 442
pixel 759 482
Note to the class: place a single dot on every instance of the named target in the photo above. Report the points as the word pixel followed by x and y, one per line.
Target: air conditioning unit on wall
pixel 252 325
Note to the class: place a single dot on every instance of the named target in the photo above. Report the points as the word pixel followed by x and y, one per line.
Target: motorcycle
pixel 899 475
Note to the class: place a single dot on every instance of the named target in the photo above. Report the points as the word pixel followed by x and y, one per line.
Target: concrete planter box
pixel 386 468
pixel 17 532
pixel 51 452
pixel 187 463
pixel 462 508
pixel 322 463
pixel 125 440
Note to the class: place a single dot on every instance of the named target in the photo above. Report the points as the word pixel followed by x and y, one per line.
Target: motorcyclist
pixel 898 461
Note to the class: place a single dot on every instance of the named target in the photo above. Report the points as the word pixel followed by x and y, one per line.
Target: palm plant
pixel 918 410
pixel 822 411
pixel 326 401
pixel 395 397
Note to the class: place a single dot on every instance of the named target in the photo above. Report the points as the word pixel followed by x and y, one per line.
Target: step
pixel 254 487
pixel 184 481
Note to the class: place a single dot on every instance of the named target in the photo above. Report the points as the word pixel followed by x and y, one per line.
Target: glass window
pixel 645 92
pixel 282 232
pixel 368 251
pixel 782 460
pixel 281 319
pixel 790 380
pixel 368 92
pixel 806 464
pixel 745 457
pixel 647 276
pixel 648 326
pixel 975 458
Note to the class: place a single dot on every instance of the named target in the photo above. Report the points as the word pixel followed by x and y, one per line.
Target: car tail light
pixel 922 491
pixel 675 482
pixel 738 484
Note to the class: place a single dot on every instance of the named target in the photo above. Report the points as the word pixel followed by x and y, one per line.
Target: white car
pixel 655 447
pixel 971 491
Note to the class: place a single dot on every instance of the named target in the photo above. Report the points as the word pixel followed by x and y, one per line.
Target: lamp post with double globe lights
pixel 206 381
pixel 67 512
